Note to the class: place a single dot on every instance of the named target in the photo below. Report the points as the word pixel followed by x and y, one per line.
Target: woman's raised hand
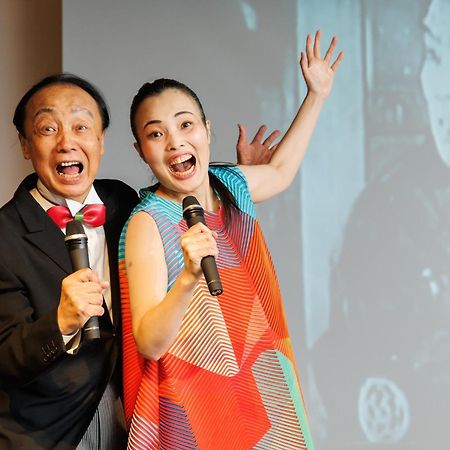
pixel 317 72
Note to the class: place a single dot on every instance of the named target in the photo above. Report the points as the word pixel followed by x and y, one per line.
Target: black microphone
pixel 76 243
pixel 193 213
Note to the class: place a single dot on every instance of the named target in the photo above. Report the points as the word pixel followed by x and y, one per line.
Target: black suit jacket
pixel 47 396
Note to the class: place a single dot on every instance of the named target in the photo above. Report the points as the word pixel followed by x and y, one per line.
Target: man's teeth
pixel 69 169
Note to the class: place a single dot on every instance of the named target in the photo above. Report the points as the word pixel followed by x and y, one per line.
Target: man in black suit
pixel 58 390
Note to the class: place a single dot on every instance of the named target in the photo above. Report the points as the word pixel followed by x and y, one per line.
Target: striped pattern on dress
pixel 229 380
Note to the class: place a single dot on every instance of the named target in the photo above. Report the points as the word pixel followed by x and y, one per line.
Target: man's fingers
pixel 260 133
pixel 94 310
pixel 83 275
pixel 242 139
pixel 268 142
pixel 87 287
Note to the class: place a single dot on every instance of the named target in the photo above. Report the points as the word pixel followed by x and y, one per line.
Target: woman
pixel 201 371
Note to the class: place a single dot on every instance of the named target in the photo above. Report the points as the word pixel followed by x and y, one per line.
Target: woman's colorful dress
pixel 229 380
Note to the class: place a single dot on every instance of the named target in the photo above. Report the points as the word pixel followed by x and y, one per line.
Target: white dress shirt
pixel 97 249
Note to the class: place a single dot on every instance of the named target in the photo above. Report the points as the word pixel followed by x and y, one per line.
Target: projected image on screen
pixel 387 342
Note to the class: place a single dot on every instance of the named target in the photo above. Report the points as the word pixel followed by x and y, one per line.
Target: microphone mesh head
pixel 192 209
pixel 190 200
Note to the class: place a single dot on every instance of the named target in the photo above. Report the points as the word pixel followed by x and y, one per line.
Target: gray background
pixel 361 239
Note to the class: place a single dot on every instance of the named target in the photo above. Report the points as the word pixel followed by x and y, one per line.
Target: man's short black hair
pixel 60 78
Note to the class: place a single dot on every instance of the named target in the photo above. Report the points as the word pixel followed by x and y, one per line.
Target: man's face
pixel 436 73
pixel 64 139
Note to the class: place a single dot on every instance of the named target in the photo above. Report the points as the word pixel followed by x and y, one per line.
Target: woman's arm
pixel 267 180
pixel 157 314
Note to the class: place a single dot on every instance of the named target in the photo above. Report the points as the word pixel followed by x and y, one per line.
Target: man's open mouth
pixel 69 168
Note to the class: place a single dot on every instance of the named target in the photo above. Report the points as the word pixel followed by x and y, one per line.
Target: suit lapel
pixel 41 231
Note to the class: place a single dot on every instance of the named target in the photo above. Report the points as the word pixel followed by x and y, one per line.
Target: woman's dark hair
pixel 157 87
pixel 60 78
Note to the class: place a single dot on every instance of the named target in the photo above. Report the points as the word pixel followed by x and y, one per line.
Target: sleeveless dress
pixel 229 380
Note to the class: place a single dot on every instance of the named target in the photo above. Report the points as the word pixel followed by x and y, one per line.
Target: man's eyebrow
pixel 48 109
pixel 43 110
pixel 82 109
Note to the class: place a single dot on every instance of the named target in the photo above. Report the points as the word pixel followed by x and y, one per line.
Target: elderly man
pixel 57 388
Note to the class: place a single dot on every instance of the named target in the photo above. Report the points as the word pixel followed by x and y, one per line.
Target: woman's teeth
pixel 184 164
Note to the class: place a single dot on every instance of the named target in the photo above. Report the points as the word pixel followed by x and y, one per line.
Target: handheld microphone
pixel 193 213
pixel 76 243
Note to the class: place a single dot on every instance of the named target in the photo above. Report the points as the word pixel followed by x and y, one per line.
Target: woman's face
pixel 174 142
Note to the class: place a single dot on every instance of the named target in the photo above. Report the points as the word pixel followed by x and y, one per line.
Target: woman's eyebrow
pixel 179 113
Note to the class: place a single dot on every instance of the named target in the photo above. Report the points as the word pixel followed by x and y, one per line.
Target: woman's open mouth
pixel 183 165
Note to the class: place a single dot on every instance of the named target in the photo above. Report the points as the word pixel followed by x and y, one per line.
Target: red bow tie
pixel 92 215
